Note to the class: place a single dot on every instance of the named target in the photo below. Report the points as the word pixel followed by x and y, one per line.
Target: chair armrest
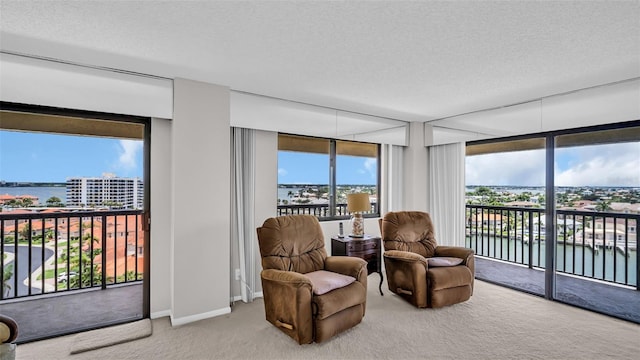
pixel 347 265
pixel 406 256
pixel 287 303
pixel 8 329
pixel 465 254
pixel 407 275
pixel 286 278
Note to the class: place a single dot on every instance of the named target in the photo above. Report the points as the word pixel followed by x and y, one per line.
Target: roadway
pixel 23 270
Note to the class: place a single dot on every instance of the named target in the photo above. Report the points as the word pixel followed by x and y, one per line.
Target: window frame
pixel 332 185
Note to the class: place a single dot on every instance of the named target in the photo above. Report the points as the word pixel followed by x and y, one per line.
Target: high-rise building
pixel 108 190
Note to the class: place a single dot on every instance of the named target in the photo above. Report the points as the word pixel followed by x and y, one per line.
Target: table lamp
pixel 356 204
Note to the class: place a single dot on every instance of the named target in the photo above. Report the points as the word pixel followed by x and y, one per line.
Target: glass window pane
pixel 303 175
pixel 356 172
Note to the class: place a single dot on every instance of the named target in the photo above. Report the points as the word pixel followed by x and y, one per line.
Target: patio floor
pixel 609 299
pixel 60 314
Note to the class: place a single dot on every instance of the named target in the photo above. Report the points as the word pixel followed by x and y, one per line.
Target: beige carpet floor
pixel 497 323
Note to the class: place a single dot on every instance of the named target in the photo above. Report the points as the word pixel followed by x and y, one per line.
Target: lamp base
pixel 357 226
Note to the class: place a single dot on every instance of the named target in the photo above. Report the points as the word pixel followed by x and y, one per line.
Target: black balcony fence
pixel 321 210
pixel 45 253
pixel 596 245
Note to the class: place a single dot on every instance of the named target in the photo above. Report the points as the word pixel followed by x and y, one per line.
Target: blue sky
pixel 594 165
pixel 304 168
pixel 36 157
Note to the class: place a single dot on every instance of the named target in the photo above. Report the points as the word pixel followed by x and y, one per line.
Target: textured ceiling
pixel 414 61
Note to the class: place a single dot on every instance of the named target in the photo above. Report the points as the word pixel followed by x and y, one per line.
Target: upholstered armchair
pixel 308 295
pixel 420 271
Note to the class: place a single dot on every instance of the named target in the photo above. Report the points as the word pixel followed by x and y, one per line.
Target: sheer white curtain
pixel 446 191
pixel 393 170
pixel 243 237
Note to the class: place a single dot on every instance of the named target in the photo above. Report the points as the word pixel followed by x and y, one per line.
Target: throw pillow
pixel 444 261
pixel 325 281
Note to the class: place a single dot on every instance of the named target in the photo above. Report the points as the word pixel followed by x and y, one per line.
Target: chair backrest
pixel 409 231
pixel 292 243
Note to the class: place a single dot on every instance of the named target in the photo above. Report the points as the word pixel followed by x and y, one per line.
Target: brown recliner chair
pixel 308 295
pixel 420 271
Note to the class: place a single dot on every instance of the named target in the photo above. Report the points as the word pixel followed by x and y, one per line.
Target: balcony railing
pixel 596 245
pixel 320 210
pixel 45 253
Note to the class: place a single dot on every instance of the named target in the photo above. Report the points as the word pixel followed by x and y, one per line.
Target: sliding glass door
pixel 597 191
pixel 506 210
pixel 73 210
pixel 557 214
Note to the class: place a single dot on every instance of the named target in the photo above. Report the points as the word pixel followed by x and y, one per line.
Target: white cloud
pixel 513 168
pixel 128 154
pixel 282 172
pixel 601 165
pixel 370 167
pixel 596 165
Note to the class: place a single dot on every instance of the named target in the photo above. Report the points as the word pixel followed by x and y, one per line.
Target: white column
pixel 415 170
pixel 200 195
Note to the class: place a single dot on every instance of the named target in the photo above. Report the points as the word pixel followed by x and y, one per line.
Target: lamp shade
pixel 358 202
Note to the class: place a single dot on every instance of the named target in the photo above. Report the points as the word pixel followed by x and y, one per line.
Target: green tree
pixel 25 231
pixel 484 191
pixel 13 203
pixel 8 273
pixel 26 202
pixel 54 201
pixel 85 264
pixel 603 206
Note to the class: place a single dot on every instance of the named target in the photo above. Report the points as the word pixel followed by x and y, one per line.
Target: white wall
pixel 161 230
pixel 415 170
pixel 607 104
pixel 200 245
pixel 35 81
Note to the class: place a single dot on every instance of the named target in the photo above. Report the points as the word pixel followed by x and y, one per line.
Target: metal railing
pixel 596 245
pixel 45 253
pixel 320 210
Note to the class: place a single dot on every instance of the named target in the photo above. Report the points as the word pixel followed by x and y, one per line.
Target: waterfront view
pixel 43 193
pixel 295 194
pixel 596 228
pixel 587 198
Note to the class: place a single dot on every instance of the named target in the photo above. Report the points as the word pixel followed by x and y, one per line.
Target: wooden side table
pixel 367 248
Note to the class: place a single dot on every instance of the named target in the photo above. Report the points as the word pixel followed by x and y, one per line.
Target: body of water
pixel 569 259
pixel 42 192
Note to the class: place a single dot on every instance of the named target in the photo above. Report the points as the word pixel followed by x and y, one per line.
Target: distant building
pixel 6 198
pixel 109 190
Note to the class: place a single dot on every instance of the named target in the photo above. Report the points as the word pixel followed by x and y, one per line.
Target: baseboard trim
pixel 197 317
pixel 255 296
pixel 159 314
